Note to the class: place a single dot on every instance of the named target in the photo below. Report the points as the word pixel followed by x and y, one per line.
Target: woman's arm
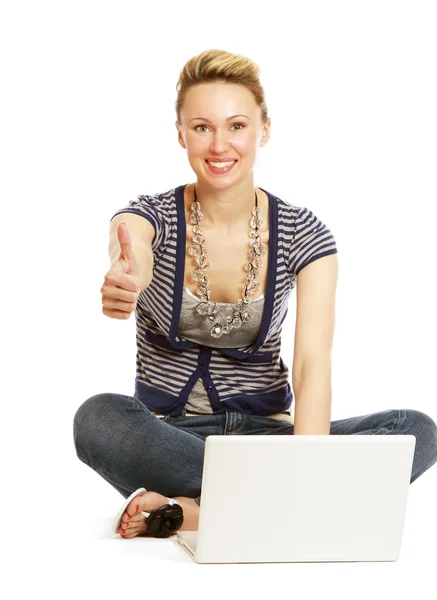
pixel 315 323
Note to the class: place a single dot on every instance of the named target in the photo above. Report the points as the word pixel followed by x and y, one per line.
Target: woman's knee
pixel 426 430
pixel 422 421
pixel 93 418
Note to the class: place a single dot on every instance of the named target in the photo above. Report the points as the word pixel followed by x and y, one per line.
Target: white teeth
pixel 221 165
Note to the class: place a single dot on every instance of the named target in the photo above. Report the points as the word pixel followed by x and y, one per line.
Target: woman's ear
pixel 180 136
pixel 266 132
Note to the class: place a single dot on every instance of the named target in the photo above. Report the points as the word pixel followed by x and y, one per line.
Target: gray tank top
pixel 196 328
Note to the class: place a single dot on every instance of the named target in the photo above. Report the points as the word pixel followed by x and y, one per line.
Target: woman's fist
pixel 121 287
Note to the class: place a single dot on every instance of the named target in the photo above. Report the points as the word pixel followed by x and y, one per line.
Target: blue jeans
pixel 123 442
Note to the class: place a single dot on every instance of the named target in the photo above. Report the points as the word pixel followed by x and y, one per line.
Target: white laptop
pixel 306 498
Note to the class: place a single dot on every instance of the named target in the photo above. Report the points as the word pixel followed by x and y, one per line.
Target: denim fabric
pixel 122 441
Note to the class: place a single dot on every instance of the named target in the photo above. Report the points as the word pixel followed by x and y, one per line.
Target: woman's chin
pixel 220 182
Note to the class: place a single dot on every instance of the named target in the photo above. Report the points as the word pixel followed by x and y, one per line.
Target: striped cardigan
pixel 252 379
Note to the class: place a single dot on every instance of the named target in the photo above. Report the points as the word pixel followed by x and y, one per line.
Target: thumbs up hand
pixel 121 286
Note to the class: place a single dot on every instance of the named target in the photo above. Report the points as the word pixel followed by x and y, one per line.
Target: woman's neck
pixel 227 209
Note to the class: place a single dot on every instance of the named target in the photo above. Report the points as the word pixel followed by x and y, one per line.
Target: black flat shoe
pixel 165 520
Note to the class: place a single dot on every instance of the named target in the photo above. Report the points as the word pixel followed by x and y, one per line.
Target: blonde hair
pixel 218 65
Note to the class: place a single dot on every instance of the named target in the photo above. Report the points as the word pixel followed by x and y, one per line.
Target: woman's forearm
pixel 312 401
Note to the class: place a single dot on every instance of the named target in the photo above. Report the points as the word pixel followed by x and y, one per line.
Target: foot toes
pixel 126 519
pixel 133 530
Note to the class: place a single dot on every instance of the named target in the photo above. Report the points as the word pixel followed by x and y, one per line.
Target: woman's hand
pixel 121 287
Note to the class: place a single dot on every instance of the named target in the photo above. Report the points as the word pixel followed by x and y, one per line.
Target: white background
pixel 87 124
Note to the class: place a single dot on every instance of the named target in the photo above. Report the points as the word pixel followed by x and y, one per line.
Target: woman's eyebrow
pixel 228 119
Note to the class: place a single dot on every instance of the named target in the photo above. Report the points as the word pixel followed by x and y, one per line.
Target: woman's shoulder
pixel 283 204
pixel 158 199
pixel 161 204
pixel 159 208
pixel 287 211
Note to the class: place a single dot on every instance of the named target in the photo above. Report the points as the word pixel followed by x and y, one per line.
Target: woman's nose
pixel 219 142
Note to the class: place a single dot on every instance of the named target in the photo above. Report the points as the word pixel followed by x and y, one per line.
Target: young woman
pixel 208 268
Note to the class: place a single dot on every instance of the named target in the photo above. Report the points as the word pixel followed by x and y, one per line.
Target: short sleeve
pixel 150 207
pixel 312 240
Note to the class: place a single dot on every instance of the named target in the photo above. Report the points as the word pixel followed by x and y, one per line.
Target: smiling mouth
pixel 220 168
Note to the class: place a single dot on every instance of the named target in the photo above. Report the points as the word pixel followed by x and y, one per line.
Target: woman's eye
pixel 205 127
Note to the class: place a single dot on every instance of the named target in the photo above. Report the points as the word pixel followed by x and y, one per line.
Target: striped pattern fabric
pixel 252 379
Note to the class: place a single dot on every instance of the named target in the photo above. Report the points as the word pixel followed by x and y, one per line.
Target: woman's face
pixel 210 129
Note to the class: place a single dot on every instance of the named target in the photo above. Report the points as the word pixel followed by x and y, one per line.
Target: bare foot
pixel 135 524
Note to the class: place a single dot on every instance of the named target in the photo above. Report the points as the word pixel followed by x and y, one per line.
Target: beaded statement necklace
pixel 198 250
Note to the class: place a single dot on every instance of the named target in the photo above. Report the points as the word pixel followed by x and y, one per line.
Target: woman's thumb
pixel 125 241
